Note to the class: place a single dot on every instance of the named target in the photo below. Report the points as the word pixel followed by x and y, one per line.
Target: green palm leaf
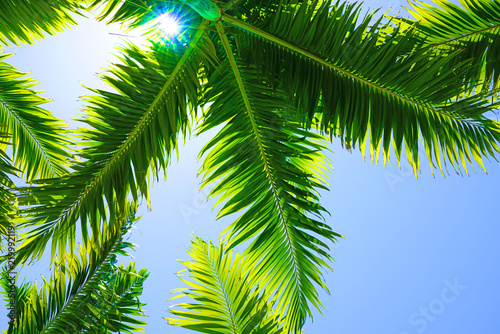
pixel 86 294
pixel 130 138
pixel 38 138
pixel 363 90
pixel 474 29
pixel 226 294
pixel 263 162
pixel 25 21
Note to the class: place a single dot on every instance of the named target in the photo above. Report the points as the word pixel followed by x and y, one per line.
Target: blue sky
pixel 419 256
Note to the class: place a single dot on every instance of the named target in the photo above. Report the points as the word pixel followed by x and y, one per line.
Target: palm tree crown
pixel 279 79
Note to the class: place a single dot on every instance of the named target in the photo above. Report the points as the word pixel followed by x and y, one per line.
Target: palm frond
pixel 473 29
pixel 225 294
pixel 450 22
pixel 38 138
pixel 263 162
pixel 363 90
pixel 86 294
pixel 131 136
pixel 26 21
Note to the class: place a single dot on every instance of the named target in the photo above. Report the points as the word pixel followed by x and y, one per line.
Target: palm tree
pixel 87 293
pixel 280 79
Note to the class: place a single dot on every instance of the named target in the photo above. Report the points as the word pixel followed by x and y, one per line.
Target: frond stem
pixel 234 66
pixel 219 282
pixel 30 133
pixel 86 285
pixel 465 36
pixel 144 120
pixel 294 48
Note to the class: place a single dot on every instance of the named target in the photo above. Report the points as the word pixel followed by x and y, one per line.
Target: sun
pixel 168 25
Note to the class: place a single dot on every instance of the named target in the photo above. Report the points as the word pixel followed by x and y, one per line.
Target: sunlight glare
pixel 168 25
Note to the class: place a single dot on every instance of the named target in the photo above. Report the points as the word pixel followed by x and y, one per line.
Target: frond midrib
pixel 140 125
pixel 30 133
pixel 465 36
pixel 233 21
pixel 261 148
pixel 224 293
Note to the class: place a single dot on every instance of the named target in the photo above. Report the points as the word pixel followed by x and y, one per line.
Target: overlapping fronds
pixel 15 296
pixel 226 296
pixel 26 21
pixel 88 293
pixel 473 28
pixel 263 162
pixel 130 138
pixel 39 140
pixel 268 72
pixel 362 90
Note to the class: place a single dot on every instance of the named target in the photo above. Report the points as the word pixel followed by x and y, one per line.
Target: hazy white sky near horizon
pixel 419 256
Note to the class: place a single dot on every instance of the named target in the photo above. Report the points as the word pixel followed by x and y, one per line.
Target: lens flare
pixel 168 25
